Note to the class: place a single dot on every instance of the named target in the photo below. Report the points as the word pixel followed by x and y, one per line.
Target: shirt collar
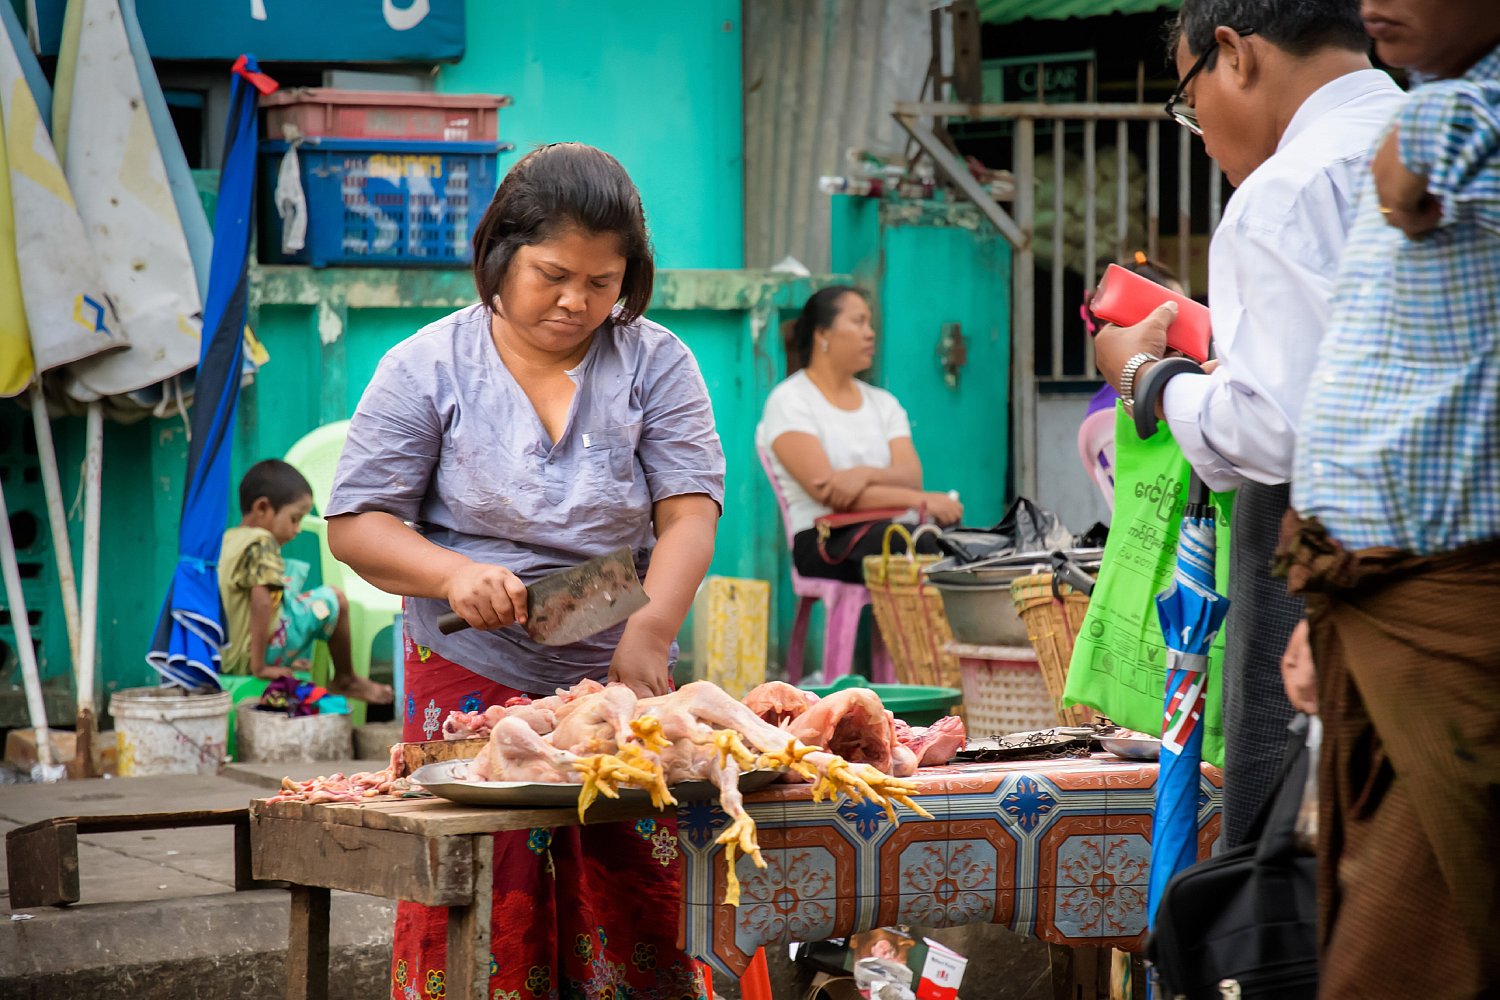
pixel 1334 94
pixel 1487 68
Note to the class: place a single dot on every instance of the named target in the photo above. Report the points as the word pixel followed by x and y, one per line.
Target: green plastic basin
pixel 914 704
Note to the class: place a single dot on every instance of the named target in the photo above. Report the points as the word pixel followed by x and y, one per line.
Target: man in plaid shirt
pixel 1397 546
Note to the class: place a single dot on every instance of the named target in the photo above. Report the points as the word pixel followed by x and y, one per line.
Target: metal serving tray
pixel 1132 747
pixel 446 780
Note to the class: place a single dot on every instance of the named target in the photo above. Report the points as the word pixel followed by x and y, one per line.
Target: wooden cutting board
pixel 414 755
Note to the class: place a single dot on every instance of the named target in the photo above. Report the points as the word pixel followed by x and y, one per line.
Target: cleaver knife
pixel 573 604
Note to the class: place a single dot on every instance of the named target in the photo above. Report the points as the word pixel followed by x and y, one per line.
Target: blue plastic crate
pixel 375 202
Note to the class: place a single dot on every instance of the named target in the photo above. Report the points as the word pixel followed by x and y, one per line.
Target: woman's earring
pixel 823 345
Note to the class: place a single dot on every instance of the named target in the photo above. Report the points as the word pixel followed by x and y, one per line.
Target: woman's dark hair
pixel 275 480
pixel 554 188
pixel 818 313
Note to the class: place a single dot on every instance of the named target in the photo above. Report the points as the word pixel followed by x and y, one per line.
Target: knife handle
pixel 450 622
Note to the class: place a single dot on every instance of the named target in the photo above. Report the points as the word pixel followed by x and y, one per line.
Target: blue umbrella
pixel 190 631
pixel 1191 612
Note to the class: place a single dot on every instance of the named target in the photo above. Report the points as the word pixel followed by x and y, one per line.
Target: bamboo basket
pixel 1052 624
pixel 909 612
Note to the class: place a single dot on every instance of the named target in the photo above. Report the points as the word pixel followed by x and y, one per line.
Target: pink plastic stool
pixel 842 605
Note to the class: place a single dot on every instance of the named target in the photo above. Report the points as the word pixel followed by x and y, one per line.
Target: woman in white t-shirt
pixel 837 444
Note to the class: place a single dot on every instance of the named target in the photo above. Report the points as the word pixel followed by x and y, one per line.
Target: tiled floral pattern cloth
pixel 1058 850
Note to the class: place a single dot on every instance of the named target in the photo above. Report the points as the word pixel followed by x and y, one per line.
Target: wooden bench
pixel 42 858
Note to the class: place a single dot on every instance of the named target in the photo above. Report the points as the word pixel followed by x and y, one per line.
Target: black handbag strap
pixel 1274 829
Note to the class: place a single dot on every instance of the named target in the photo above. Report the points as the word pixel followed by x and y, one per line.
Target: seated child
pixel 270 630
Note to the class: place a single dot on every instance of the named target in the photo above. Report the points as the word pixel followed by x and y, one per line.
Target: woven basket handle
pixel 892 530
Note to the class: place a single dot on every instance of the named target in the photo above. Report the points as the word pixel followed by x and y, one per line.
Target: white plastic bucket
pixel 164 731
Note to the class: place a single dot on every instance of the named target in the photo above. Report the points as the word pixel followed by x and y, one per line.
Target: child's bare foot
pixel 362 689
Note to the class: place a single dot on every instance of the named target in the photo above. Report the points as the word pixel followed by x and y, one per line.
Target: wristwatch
pixel 1127 376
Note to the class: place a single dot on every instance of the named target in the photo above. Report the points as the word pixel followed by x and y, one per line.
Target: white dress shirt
pixel 1271 269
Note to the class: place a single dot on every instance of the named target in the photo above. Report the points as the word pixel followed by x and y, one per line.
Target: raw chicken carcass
pixel 934 744
pixel 695 710
pixel 339 788
pixel 477 725
pixel 460 725
pixel 517 753
pixel 853 724
pixel 778 702
pixel 596 723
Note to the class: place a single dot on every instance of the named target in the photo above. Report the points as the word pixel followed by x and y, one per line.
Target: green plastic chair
pixel 371 610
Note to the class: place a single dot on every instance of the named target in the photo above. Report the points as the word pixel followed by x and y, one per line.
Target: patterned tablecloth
pixel 1056 850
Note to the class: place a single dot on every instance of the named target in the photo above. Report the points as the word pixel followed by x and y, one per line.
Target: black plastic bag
pixel 1026 527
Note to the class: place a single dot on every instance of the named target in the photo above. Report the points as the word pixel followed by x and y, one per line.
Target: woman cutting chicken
pixel 546 425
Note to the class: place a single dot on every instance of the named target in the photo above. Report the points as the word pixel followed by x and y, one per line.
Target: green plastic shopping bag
pixel 1119 664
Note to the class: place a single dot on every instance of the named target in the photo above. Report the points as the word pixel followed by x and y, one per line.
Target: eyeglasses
pixel 1186 116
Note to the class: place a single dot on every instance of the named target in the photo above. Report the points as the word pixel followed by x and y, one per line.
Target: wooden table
pixel 422 850
pixel 1055 850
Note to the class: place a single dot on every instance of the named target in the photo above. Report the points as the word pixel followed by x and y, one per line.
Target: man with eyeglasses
pixel 1287 102
pixel 1397 538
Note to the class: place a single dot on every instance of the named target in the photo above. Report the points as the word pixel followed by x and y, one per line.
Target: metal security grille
pixel 1091 185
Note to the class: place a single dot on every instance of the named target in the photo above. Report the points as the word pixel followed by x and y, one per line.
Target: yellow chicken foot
pixel 899 790
pixel 656 778
pixel 837 776
pixel 647 729
pixel 729 743
pixel 589 768
pixel 790 759
pixel 739 835
pixel 603 773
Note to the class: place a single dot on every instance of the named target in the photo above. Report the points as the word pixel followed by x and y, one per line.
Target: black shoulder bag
pixel 1244 924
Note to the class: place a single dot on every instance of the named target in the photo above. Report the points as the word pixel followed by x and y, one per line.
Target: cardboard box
pixel 20 749
pixel 730 617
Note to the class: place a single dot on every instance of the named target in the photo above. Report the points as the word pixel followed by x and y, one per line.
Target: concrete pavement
pixel 158 915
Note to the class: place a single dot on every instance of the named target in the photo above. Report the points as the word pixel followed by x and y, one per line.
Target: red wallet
pixel 1124 298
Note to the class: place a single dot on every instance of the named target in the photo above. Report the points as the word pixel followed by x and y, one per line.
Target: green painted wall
pixel 656 84
pixel 933 265
pixel 327 330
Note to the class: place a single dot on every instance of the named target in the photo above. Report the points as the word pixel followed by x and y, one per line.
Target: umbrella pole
pixel 45 770
pixel 82 764
pixel 88 635
pixel 62 546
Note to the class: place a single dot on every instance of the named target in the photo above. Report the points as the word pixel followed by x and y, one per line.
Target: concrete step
pixel 225 945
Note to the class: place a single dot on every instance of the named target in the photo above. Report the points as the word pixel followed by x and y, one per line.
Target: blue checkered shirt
pixel 1400 436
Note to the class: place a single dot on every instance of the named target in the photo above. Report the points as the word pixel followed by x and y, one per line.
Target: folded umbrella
pixel 190 631
pixel 1191 613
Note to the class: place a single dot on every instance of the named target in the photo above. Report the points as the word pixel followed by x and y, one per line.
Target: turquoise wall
pixel 327 330
pixel 656 84
pixel 934 265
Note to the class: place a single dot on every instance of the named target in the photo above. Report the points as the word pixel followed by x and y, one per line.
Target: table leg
pixel 469 930
pixel 1079 973
pixel 307 944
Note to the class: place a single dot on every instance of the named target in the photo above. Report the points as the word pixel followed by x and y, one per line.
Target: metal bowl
pixel 983 614
pixel 1132 747
pixel 1009 567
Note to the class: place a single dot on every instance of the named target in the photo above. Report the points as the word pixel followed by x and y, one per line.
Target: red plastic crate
pixel 384 114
